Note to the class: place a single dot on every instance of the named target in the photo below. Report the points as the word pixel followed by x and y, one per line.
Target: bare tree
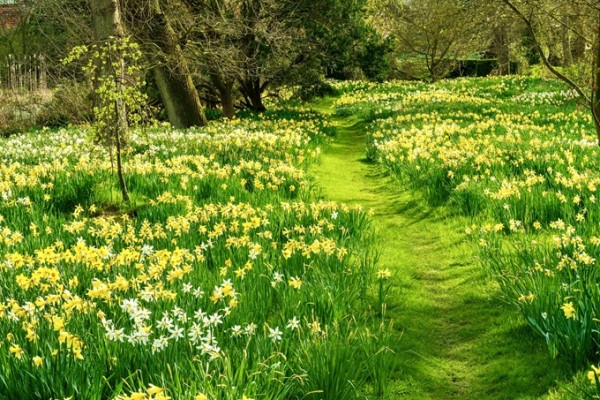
pixel 248 45
pixel 211 39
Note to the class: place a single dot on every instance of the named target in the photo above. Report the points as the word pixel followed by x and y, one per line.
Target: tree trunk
pixel 567 58
pixel 180 97
pixel 578 45
pixel 432 67
pixel 225 90
pixel 501 48
pixel 252 91
pixel 172 73
pixel 106 15
pixel 578 49
pixel 120 131
pixel 227 102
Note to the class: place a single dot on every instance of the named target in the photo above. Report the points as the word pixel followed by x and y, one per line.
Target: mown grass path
pixel 454 337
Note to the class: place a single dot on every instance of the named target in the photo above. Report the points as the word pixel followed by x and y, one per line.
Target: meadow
pixel 518 158
pixel 223 278
pixel 230 275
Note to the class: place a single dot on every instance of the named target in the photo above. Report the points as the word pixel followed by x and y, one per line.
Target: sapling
pixel 113 68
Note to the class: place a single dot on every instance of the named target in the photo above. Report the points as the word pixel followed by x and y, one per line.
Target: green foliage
pixel 316 90
pixel 374 55
pixel 213 114
pixel 357 50
pixel 115 72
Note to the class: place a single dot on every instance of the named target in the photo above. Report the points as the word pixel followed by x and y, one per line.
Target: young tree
pixel 111 64
pixel 106 15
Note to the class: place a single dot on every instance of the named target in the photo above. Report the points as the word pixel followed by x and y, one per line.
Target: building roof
pixel 10 13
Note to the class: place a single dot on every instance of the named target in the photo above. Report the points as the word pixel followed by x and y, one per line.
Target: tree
pixel 210 35
pixel 152 27
pixel 270 46
pixel 587 29
pixel 106 15
pixel 439 32
pixel 59 25
pixel 243 44
pixel 210 47
pixel 256 45
pixel 112 65
pixel 506 36
pixel 352 49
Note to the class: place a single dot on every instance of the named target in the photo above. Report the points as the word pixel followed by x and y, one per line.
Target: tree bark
pixel 567 58
pixel 578 49
pixel 180 97
pixel 171 72
pixel 578 44
pixel 225 90
pixel 252 90
pixel 227 102
pixel 106 15
pixel 501 48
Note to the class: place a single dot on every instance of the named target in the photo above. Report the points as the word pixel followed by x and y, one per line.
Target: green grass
pixel 517 156
pixel 223 222
pixel 221 276
pixel 453 337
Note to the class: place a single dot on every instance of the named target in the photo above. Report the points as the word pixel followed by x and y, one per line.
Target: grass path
pixel 455 338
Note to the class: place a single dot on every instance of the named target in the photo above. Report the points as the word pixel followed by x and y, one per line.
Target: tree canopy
pixel 233 54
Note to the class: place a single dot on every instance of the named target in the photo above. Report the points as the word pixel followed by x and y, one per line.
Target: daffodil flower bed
pixel 226 281
pixel 512 153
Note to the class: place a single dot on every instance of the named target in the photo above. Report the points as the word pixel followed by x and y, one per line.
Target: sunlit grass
pixel 222 277
pixel 517 157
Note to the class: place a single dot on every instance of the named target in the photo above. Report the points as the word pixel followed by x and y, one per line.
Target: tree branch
pixel 545 60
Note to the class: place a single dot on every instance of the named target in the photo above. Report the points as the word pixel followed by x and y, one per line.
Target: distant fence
pixel 24 73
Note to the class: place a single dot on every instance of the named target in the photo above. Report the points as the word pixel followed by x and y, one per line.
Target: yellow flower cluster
pixel 523 163
pixel 218 259
pixel 151 393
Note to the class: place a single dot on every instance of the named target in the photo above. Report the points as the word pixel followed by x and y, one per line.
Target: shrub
pixel 71 103
pixel 19 109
